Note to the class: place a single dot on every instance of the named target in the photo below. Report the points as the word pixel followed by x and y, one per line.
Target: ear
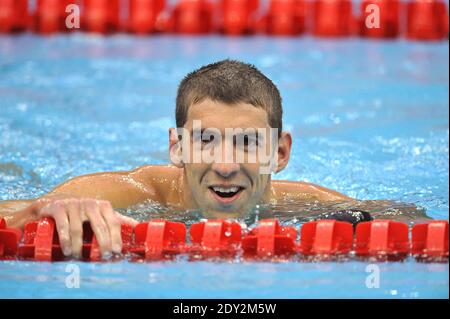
pixel 175 151
pixel 284 151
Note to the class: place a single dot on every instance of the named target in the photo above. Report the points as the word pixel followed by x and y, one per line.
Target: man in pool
pixel 211 101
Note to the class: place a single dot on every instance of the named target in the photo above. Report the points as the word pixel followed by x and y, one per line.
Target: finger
pixel 113 224
pixel 125 219
pixel 58 212
pixel 99 226
pixel 76 227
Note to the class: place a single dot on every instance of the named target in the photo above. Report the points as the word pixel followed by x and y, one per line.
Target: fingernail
pixel 67 251
pixel 117 248
pixel 106 255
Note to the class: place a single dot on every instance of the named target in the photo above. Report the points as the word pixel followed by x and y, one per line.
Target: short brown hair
pixel 230 82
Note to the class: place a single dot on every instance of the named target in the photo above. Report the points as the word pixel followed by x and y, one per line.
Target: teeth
pixel 232 189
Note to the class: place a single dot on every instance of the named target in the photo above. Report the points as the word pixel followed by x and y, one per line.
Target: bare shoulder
pixel 164 180
pixel 305 190
pixel 156 174
pixel 123 187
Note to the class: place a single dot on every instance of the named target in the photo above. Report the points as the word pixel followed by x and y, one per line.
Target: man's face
pixel 224 187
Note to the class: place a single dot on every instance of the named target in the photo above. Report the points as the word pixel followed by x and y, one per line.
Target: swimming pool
pixel 369 119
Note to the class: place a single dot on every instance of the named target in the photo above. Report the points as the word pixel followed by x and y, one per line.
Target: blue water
pixel 369 119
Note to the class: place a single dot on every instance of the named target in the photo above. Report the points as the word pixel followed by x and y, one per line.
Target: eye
pixel 250 141
pixel 206 138
pixel 246 142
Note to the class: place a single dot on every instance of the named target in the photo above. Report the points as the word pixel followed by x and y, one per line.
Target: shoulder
pixel 305 190
pixel 155 174
pixel 163 180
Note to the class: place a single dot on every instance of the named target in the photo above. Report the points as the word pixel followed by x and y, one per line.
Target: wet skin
pixel 220 189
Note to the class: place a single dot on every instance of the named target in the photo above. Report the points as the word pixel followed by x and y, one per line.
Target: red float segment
pixel 237 16
pixel 159 239
pixel 13 15
pixel 41 241
pixel 285 17
pixel 332 18
pixel 101 16
pixel 9 240
pixel 381 237
pixel 50 16
pixel 91 250
pixel 215 238
pixel 192 17
pixel 380 18
pixel 444 16
pixel 269 239
pixel 143 15
pixel 427 20
pixel 430 239
pixel 326 237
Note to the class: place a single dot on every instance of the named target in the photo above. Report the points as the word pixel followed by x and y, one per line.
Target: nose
pixel 226 167
pixel 225 170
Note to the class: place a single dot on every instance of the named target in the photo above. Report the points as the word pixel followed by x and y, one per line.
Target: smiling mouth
pixel 226 194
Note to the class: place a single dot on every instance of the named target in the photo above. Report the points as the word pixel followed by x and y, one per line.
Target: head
pixel 230 137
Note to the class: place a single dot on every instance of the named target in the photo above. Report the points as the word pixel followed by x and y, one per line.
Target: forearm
pixel 386 209
pixel 306 191
pixel 17 212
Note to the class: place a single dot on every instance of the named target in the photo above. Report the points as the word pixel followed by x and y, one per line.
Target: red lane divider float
pixel 159 240
pixel 285 18
pixel 430 240
pixel 41 242
pixel 326 237
pixel 238 16
pixel 144 15
pixel 269 239
pixel 427 20
pixel 215 238
pixel 13 15
pixel 192 17
pixel 415 19
pixel 380 18
pixel 101 16
pixel 163 240
pixel 91 250
pixel 50 16
pixel 382 238
pixel 9 239
pixel 332 18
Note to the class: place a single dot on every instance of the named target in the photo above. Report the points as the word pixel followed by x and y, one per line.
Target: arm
pixel 15 212
pixel 121 189
pixel 334 201
pixel 86 198
pixel 306 191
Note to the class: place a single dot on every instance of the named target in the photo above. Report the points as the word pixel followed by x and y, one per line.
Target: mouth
pixel 226 194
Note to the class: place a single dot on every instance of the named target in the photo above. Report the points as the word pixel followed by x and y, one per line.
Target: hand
pixel 353 216
pixel 70 213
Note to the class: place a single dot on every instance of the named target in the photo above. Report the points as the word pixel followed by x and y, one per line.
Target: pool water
pixel 368 118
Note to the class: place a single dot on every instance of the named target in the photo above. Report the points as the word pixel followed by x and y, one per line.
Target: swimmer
pixel 211 101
